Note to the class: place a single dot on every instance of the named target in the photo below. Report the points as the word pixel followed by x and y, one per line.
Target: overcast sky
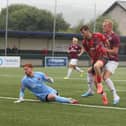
pixel 73 10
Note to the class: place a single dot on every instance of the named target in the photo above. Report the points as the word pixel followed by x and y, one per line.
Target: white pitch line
pixel 12 98
pixel 81 105
pixel 98 106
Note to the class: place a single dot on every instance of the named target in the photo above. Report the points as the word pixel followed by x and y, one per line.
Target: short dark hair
pixel 84 27
pixel 28 65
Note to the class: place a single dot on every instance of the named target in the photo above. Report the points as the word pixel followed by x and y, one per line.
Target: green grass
pixel 55 114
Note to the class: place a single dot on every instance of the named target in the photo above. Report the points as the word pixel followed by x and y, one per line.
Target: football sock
pixel 69 72
pixel 78 69
pixel 99 79
pixel 90 81
pixel 111 86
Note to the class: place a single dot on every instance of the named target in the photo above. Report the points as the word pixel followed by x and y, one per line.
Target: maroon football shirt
pixel 93 46
pixel 74 50
pixel 114 41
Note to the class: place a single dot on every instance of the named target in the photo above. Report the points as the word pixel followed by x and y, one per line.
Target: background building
pixel 117 11
pixel 34 46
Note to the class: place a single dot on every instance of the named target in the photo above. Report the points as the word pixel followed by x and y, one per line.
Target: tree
pixel 60 22
pixel 28 18
pixel 98 25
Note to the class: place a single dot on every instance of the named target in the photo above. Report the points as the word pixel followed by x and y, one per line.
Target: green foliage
pixel 28 18
pixel 60 22
pixel 98 25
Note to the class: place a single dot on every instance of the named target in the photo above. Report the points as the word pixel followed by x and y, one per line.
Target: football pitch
pixel 89 111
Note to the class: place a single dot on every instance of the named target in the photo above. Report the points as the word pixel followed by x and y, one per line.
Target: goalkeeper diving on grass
pixel 35 82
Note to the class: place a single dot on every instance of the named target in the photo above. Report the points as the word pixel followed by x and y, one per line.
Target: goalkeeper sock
pixel 62 99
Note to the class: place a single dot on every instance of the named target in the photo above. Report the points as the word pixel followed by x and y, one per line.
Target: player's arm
pixel 21 94
pixel 47 78
pixel 82 51
pixel 114 50
pixel 106 43
pixel 69 50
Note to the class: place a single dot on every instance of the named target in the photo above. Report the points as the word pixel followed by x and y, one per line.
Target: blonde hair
pixel 109 22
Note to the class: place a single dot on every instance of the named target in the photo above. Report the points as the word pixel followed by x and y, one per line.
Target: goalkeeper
pixel 35 82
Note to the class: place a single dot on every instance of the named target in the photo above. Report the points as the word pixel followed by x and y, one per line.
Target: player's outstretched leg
pixel 65 100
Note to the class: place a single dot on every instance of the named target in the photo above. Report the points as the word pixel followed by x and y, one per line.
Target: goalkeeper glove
pixel 50 79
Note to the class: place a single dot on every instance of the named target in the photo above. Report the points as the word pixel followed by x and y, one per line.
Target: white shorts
pixel 73 62
pixel 111 66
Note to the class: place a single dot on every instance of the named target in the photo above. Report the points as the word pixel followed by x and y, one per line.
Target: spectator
pixel 14 49
pixel 44 52
pixel 8 49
